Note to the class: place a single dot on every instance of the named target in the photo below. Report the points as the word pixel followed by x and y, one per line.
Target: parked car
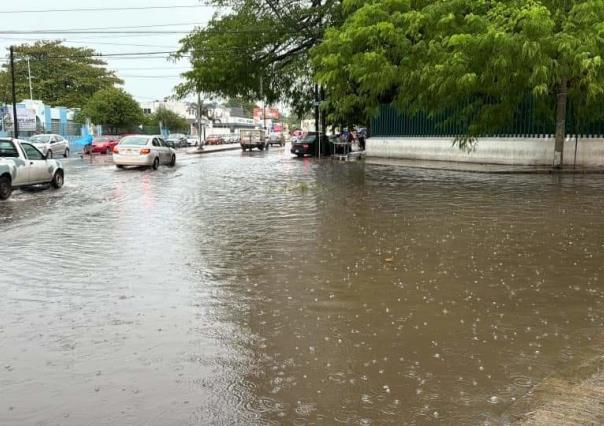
pixel 214 140
pixel 102 145
pixel 276 139
pixel 22 164
pixel 143 150
pixel 194 141
pixel 233 139
pixel 51 145
pixel 309 145
pixel 178 139
pixel 251 139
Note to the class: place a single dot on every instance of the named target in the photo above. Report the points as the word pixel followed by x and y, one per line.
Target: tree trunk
pixel 561 103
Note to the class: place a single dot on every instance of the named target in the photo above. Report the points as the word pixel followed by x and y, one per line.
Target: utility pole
pixel 199 106
pixel 31 90
pixel 263 105
pixel 12 73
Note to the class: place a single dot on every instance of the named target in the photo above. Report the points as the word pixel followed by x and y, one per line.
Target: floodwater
pixel 261 289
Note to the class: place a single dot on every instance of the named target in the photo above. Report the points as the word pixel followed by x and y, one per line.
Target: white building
pixel 216 120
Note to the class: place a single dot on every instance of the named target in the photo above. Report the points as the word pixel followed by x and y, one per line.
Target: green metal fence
pixel 529 120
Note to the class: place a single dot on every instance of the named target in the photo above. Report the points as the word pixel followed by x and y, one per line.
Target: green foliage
pixel 240 102
pixel 115 109
pixel 488 56
pixel 169 119
pixel 258 50
pixel 61 75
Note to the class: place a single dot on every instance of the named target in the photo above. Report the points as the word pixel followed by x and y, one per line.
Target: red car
pixel 214 140
pixel 103 144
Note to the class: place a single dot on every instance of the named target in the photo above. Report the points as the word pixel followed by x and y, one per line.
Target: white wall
pixel 510 151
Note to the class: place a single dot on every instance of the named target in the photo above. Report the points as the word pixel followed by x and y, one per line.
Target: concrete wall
pixel 511 151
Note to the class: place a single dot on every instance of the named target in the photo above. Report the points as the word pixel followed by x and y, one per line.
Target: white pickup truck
pixel 22 164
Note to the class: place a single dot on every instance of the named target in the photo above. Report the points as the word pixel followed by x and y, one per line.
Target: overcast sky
pixel 145 78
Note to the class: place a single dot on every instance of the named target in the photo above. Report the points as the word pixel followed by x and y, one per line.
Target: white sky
pixel 161 74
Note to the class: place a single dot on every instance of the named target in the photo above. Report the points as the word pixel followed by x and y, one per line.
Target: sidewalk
pixel 208 149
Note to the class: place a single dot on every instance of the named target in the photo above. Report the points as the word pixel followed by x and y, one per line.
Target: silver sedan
pixel 51 145
pixel 143 151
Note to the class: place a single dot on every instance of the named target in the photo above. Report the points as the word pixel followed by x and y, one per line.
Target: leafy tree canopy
pixel 240 102
pixel 61 75
pixel 258 50
pixel 485 55
pixel 171 120
pixel 115 109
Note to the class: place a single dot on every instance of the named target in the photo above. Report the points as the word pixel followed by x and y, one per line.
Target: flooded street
pixel 260 289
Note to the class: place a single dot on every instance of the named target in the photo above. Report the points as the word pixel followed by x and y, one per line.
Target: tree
pixel 258 50
pixel 239 102
pixel 115 109
pixel 61 75
pixel 486 56
pixel 169 119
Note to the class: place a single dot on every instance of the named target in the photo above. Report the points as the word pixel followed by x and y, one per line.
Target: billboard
pixel 26 117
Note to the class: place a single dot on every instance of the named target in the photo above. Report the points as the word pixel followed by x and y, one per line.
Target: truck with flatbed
pixel 252 138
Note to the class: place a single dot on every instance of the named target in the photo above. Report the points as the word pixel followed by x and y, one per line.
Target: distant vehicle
pixel 22 164
pixel 102 145
pixel 51 145
pixel 193 140
pixel 143 150
pixel 214 140
pixel 309 145
pixel 276 139
pixel 178 139
pixel 233 139
pixel 251 139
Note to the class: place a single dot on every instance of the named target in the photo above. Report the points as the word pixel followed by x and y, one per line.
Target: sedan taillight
pixel 116 150
pixel 305 145
pixel 145 151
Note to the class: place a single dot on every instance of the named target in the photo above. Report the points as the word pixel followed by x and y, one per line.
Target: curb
pixel 230 148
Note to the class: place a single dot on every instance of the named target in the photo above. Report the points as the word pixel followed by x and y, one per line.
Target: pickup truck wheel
pixel 57 180
pixel 66 153
pixel 156 163
pixel 5 187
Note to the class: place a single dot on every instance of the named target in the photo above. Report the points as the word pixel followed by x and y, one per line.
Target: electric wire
pixel 105 9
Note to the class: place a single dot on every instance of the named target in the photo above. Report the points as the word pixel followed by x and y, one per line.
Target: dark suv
pixel 309 145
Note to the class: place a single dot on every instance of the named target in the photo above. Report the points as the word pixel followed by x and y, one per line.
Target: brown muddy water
pixel 260 289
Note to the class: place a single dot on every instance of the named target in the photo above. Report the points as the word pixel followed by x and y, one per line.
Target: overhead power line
pixel 176 24
pixel 105 9
pixel 149 76
pixel 95 32
pixel 92 42
pixel 142 32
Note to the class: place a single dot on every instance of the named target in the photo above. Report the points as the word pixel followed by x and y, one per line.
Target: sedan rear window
pixel 8 150
pixel 134 140
pixel 40 138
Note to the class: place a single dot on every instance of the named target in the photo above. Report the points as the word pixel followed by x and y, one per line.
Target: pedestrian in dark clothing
pixel 362 136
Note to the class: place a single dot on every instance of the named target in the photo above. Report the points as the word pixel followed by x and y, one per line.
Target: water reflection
pixel 270 290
